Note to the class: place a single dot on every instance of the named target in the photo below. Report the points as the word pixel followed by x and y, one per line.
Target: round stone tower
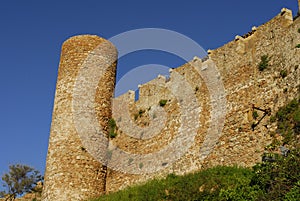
pixel 72 173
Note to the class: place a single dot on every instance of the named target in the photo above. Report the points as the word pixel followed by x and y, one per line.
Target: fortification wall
pixel 247 89
pixel 206 120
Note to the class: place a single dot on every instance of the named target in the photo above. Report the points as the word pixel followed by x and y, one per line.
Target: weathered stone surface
pixel 73 174
pixel 245 87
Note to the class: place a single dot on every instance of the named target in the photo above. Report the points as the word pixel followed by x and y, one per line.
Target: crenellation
pixel 152 87
pixel 208 106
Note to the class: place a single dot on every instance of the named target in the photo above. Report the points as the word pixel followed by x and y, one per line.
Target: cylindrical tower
pixel 72 173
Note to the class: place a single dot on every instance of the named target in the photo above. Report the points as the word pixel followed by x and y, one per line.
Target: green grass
pixel 218 183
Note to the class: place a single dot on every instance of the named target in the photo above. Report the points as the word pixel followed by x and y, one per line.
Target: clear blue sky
pixel 32 33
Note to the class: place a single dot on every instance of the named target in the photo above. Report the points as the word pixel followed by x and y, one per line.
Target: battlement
pixel 222 140
pixel 199 116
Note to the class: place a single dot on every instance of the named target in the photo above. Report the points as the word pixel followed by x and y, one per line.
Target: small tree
pixel 20 179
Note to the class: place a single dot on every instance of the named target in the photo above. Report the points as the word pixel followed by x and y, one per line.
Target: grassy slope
pixel 204 185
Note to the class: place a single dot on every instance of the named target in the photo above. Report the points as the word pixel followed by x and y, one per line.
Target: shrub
pixel 288 118
pixel 264 63
pixel 163 102
pixel 294 193
pixel 277 177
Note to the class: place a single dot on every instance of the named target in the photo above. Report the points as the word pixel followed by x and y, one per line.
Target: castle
pixel 201 116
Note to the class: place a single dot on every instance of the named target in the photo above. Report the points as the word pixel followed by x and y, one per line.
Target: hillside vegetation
pixel 277 177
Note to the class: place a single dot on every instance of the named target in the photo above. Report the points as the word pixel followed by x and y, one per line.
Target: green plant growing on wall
pixel 162 102
pixel 298 46
pixel 283 73
pixel 298 30
pixel 254 114
pixel 111 128
pixel 112 135
pixel 264 62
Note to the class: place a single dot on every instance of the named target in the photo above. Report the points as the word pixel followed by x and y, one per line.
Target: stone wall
pixel 72 173
pixel 249 89
pixel 207 119
pixel 244 90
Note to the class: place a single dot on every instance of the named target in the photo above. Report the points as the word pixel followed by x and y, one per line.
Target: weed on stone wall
pixel 255 114
pixel 264 62
pixel 283 73
pixel 112 128
pixel 162 103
